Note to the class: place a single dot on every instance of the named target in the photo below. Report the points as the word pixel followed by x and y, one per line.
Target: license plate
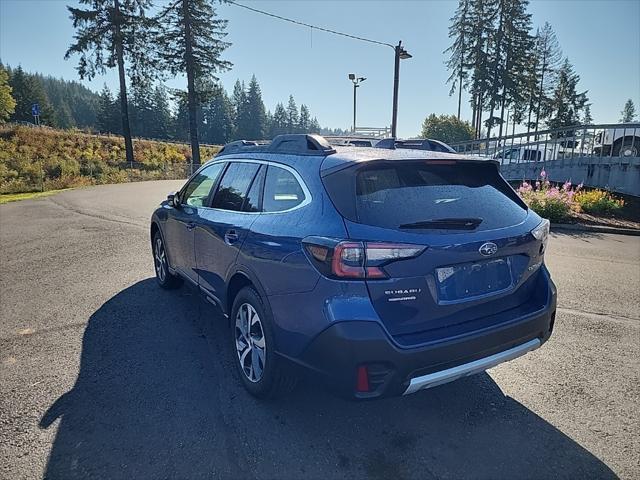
pixel 457 282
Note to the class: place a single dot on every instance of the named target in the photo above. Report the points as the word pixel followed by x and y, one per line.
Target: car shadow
pixel 157 397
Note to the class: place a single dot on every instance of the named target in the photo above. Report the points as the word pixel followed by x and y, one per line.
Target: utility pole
pixel 356 83
pixel 400 54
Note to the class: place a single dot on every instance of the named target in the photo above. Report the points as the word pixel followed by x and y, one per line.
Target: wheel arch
pixel 155 228
pixel 241 278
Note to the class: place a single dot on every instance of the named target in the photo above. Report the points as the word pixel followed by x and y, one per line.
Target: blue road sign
pixel 35 109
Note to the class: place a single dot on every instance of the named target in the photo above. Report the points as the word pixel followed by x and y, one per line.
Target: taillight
pixel 357 260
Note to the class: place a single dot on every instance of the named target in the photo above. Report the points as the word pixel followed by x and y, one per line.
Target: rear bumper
pixel 337 353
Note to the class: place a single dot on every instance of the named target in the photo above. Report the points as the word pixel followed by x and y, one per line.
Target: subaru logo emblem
pixel 488 249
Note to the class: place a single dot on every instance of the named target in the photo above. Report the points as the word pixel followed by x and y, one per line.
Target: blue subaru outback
pixel 379 271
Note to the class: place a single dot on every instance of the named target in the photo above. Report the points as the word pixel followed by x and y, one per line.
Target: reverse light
pixel 541 232
pixel 357 260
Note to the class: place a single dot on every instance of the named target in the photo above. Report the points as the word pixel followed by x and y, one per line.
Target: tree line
pixel 63 104
pixel 220 117
pixel 155 111
pixel 508 70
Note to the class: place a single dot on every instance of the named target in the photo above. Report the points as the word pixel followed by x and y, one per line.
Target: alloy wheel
pixel 250 342
pixel 160 260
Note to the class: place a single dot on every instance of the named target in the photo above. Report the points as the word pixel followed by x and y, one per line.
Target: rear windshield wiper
pixel 445 224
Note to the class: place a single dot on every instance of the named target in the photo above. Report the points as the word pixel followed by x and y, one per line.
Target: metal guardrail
pixel 601 141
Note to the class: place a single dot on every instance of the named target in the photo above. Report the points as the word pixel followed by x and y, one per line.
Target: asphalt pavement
pixel 104 375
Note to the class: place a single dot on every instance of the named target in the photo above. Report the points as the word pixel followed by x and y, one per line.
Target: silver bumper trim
pixel 477 366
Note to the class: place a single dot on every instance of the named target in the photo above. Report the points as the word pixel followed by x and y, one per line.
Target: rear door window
pixel 282 191
pixel 234 185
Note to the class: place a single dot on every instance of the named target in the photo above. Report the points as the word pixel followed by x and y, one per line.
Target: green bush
pixel 598 202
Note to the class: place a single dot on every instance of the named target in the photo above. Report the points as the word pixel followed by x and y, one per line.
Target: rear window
pixel 407 195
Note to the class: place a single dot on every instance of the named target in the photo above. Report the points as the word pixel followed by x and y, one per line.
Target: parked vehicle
pixel 353 141
pixel 622 141
pixel 529 153
pixel 416 143
pixel 378 271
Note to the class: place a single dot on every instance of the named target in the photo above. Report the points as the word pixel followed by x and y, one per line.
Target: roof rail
pixel 297 144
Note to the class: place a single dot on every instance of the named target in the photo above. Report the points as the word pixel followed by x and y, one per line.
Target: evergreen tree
pixel 161 125
pixel 292 116
pixel 280 122
pixel 587 119
pixel 548 61
pixel 27 90
pixel 482 34
pixel 7 102
pixel 508 55
pixel 268 123
pixel 218 113
pixel 461 31
pixel 305 119
pixel 256 116
pixel 108 117
pixel 314 126
pixel 108 34
pixel 142 109
pixel 628 112
pixel 240 111
pixel 181 118
pixel 513 64
pixel 191 42
pixel 566 103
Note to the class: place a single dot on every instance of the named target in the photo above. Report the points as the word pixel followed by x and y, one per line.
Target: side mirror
pixel 173 199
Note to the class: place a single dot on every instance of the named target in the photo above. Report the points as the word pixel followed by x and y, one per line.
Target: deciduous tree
pixel 446 128
pixel 7 102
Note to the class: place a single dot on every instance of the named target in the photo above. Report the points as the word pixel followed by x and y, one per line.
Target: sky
pixel 600 37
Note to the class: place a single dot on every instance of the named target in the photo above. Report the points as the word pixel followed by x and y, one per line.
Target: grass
pixel 16 197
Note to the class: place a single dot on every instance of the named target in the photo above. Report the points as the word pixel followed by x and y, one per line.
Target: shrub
pixel 552 203
pixel 598 201
pixel 31 157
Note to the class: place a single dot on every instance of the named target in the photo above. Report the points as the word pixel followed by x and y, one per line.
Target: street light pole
pixel 356 83
pixel 355 86
pixel 400 54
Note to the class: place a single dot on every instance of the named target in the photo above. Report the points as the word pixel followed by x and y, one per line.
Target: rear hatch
pixel 479 256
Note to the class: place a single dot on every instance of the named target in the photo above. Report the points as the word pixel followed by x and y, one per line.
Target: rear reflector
pixel 362 381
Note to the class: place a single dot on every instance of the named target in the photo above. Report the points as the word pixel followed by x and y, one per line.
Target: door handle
pixel 231 237
pixel 191 226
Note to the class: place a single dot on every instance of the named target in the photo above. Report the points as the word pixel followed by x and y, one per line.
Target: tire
pixel 628 148
pixel 261 371
pixel 164 278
